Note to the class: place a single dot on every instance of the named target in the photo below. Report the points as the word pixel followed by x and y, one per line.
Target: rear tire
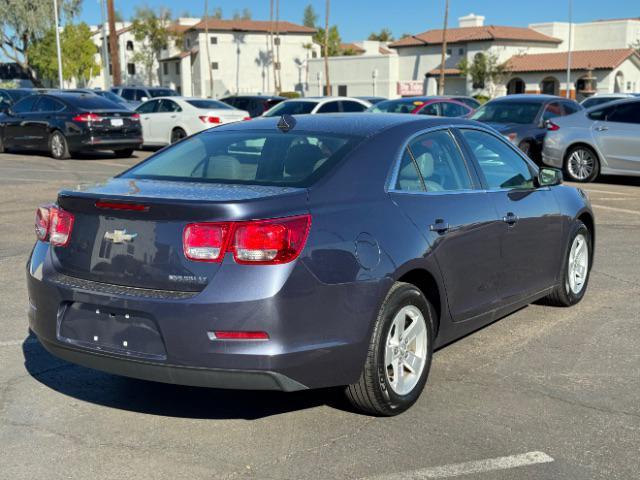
pixel 576 268
pixel 58 146
pixel 124 153
pixel 1 144
pixel 177 134
pixel 399 355
pixel 581 164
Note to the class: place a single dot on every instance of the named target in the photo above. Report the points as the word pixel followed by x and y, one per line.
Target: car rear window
pixel 90 101
pixel 291 108
pixel 209 104
pixel 162 92
pixel 250 158
pixel 508 112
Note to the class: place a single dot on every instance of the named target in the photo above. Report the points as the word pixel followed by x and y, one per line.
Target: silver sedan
pixel 601 140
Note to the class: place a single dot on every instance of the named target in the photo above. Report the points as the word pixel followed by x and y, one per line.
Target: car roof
pixel 619 101
pixel 356 124
pixel 258 97
pixel 528 97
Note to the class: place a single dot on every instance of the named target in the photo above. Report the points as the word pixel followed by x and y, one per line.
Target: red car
pixel 435 106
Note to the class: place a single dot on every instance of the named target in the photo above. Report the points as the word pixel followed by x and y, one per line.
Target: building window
pixel 214 40
pixel 342 90
pixel 214 65
pixel 276 41
pixel 448 51
pixel 129 46
pixel 314 54
pixel 177 68
pixel 165 68
pixel 461 51
pixel 179 90
pixel 188 42
pixel 131 68
pixel 276 65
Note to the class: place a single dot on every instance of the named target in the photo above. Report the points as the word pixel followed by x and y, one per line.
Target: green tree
pixel 485 70
pixel 23 22
pixel 310 17
pixel 150 29
pixel 244 15
pixel 384 35
pixel 334 40
pixel 78 54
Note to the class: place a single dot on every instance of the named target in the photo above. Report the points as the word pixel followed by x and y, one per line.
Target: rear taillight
pixel 207 119
pixel 87 117
pixel 552 126
pixel 270 241
pixel 238 335
pixel 135 117
pixel 54 224
pixel 257 242
pixel 205 242
pixel 246 118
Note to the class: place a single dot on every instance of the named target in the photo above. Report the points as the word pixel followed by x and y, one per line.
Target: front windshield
pixel 403 105
pixel 247 158
pixel 291 108
pixel 507 112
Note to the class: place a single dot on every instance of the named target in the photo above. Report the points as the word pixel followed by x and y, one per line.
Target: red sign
pixel 410 88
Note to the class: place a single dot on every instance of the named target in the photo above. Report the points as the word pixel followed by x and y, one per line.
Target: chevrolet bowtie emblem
pixel 119 236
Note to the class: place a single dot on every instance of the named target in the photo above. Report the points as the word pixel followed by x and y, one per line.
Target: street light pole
pixel 105 53
pixel 568 89
pixel 55 14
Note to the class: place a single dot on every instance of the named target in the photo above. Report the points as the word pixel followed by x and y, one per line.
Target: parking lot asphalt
pixel 545 393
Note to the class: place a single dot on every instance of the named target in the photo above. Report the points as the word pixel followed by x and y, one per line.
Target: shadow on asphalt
pixel 617 180
pixel 98 155
pixel 164 399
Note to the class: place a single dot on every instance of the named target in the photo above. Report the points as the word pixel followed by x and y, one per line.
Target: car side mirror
pixel 549 177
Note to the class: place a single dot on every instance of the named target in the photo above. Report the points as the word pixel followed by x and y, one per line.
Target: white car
pixel 313 105
pixel 166 120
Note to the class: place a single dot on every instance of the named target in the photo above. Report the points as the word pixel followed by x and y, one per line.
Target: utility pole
pixel 113 44
pixel 444 49
pixel 105 51
pixel 207 42
pixel 271 50
pixel 55 14
pixel 277 41
pixel 326 51
pixel 568 85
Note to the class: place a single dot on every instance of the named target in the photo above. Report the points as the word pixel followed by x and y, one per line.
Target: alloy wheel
pixel 578 264
pixel 57 145
pixel 405 350
pixel 581 164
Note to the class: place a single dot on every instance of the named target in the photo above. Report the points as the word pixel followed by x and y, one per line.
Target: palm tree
pixel 263 61
pixel 239 39
pixel 326 49
pixel 308 47
pixel 444 49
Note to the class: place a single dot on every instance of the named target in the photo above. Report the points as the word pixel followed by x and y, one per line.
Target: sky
pixel 356 19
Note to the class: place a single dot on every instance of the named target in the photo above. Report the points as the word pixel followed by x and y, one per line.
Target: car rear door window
pixel 409 180
pixel 501 166
pixel 329 107
pixel 570 108
pixel 552 110
pixel 128 94
pixel 431 109
pixel 440 162
pixel 148 107
pixel 168 106
pixel 450 109
pixel 47 104
pixel 626 113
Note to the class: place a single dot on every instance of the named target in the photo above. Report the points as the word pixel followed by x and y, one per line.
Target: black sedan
pixel 523 118
pixel 66 123
pixel 305 252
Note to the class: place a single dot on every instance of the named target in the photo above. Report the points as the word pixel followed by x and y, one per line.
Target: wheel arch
pixel 426 282
pixel 589 222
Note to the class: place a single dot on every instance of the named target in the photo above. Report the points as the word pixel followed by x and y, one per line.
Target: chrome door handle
pixel 510 218
pixel 601 129
pixel 439 226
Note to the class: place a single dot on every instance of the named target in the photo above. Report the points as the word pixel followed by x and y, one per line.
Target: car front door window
pixel 501 166
pixel 329 107
pixel 431 109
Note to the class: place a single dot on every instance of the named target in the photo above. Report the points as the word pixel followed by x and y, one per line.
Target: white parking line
pixel 615 209
pixel 467 468
pixel 612 192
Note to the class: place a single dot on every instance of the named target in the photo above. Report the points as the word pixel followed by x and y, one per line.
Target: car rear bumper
pixel 175 374
pixel 318 333
pixel 88 141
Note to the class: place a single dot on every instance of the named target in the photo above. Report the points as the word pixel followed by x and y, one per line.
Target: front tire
pixel 581 164
pixel 58 146
pixel 575 269
pixel 399 355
